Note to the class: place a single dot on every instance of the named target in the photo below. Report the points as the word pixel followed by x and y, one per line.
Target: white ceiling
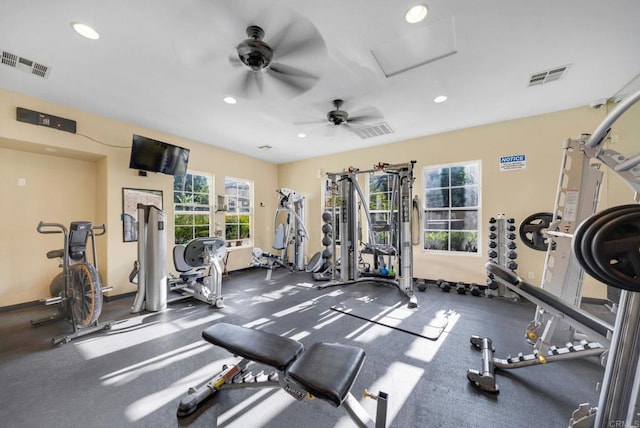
pixel 164 64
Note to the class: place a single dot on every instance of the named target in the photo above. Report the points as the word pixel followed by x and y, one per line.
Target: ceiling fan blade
pixel 370 114
pixel 287 70
pixel 298 37
pixel 248 86
pixel 294 80
pixel 310 122
pixel 235 61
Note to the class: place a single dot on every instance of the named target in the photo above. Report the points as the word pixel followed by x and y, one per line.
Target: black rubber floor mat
pixel 395 317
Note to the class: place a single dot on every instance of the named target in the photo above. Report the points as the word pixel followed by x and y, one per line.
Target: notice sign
pixel 510 163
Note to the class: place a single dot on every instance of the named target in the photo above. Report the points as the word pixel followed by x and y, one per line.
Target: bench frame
pixel 237 376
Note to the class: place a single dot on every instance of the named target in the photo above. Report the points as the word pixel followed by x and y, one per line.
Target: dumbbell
pixel 475 290
pixel 492 220
pixel 493 244
pixel 492 235
pixel 511 236
pixel 511 220
pixel 512 255
pixel 443 285
pixel 512 265
pixel 492 284
pixel 492 228
pixel 421 284
pixel 493 254
pixel 461 288
pixel 511 228
pixel 511 245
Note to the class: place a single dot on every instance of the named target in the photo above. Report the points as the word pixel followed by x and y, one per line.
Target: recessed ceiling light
pixel 416 14
pixel 85 31
pixel 302 135
pixel 440 99
pixel 230 100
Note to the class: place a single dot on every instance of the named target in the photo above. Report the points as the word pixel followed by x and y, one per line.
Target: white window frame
pixel 200 209
pixel 449 209
pixel 233 199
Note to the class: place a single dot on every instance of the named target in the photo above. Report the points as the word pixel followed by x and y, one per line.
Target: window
pixel 238 217
pixel 381 187
pixel 192 209
pixel 452 207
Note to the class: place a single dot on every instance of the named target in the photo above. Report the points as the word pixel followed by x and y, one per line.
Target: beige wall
pixel 96 174
pixel 83 180
pixel 516 193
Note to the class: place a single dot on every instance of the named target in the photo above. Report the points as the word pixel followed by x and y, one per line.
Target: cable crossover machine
pixel 388 240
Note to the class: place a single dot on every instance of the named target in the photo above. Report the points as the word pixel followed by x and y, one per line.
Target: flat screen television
pixel 156 156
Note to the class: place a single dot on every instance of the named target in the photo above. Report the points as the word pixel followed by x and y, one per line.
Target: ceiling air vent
pixel 373 130
pixel 552 75
pixel 24 64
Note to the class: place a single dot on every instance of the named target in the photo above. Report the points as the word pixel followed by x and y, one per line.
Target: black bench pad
pixel 550 299
pixel 260 346
pixel 327 370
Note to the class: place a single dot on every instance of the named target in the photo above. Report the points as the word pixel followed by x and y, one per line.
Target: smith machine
pixel 389 236
pixel 606 245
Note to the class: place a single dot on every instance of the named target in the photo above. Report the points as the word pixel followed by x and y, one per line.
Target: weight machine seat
pixel 260 346
pixel 548 298
pixel 55 254
pixel 327 370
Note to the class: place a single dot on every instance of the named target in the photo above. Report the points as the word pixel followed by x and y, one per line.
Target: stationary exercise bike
pixel 77 288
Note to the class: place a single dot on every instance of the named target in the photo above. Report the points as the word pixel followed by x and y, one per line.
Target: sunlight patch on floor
pixel 153 402
pixel 135 331
pixel 257 408
pixel 426 350
pixel 328 319
pixel 372 333
pixel 399 382
pixel 301 307
pixel 133 372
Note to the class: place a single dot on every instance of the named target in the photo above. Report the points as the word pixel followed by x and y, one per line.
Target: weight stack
pixel 502 251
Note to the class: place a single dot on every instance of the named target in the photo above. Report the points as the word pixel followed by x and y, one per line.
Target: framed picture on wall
pixel 130 200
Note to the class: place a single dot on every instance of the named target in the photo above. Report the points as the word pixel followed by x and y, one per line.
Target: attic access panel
pixel 423 46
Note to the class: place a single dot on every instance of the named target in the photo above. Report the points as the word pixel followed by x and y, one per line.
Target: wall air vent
pixel 265 147
pixel 24 64
pixel 547 76
pixel 371 131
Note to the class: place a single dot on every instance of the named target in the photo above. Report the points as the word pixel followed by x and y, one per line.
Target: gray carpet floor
pixel 135 374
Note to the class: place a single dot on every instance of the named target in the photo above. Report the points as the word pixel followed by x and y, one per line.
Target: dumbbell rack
pixel 502 247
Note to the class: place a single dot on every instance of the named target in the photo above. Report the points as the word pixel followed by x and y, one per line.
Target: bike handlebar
pixel 46 228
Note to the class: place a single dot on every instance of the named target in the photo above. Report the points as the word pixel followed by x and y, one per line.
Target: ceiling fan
pixel 338 117
pixel 263 60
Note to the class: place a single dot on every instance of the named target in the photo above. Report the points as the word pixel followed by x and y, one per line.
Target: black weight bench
pixel 326 370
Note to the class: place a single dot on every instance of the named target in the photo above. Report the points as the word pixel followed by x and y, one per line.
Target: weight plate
pixel 532 231
pixel 583 237
pixel 616 250
pixel 576 245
